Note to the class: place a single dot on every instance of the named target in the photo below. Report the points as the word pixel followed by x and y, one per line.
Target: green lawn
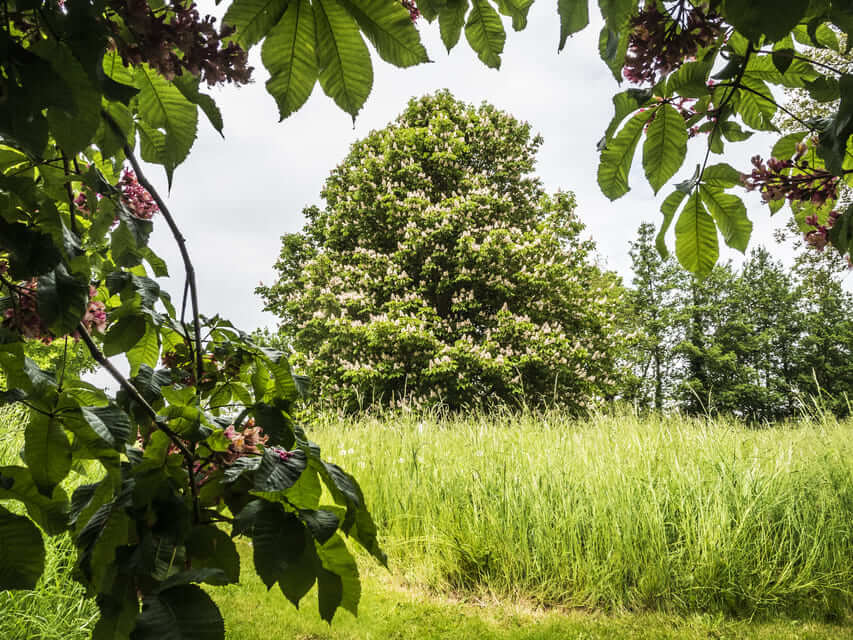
pixel 390 610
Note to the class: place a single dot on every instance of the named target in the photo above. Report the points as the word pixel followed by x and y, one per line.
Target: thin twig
pixel 133 392
pixel 70 191
pixel 719 110
pixel 176 233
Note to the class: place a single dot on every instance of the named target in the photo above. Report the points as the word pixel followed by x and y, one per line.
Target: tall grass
pixel 614 511
pixel 57 609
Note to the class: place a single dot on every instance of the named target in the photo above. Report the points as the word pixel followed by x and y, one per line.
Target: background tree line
pixel 439 272
pixel 757 342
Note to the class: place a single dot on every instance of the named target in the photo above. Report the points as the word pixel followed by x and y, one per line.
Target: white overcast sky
pixel 234 197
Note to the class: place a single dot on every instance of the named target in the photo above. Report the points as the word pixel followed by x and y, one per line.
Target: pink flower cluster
pixel 661 41
pixel 178 40
pixel 245 442
pixel 136 197
pixel 414 12
pixel 819 236
pixel 24 317
pixel 776 181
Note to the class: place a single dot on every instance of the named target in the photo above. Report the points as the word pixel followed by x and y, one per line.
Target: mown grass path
pixel 390 610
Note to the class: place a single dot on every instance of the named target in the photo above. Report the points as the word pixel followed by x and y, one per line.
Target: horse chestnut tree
pixel 440 271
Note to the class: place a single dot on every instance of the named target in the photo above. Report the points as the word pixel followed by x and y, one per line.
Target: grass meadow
pixel 530 525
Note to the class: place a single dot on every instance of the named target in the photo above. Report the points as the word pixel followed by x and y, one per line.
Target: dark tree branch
pixel 176 233
pixel 133 392
pixel 729 95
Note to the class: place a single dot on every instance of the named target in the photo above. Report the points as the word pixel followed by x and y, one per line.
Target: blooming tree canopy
pixel 440 270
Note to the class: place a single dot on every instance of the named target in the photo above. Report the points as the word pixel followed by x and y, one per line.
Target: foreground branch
pixel 176 233
pixel 133 392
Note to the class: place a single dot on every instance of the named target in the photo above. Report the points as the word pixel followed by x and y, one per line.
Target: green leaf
pixel 253 18
pixel 782 59
pixel 832 147
pixel 337 582
pixel 119 610
pixel 612 47
pixel 210 547
pixel 21 552
pixel 346 73
pixel 722 175
pixel 275 423
pixel 184 612
pixel 146 351
pixel 485 33
pixel 616 12
pixel 50 512
pixel 517 10
pixel 62 300
pixel 163 106
pixel 616 159
pixel 574 16
pixel 124 334
pixel 729 213
pixel 321 523
pixel 691 79
pixel 288 54
pixel 391 30
pixel 73 131
pixel 786 146
pixel 771 18
pixel 47 451
pixel 665 146
pixel 283 551
pixel 451 19
pixel 357 523
pixel 756 106
pixel 696 244
pixel 31 253
pixel 624 103
pixel 275 474
pixel 668 208
pixel 733 131
pixel 823 89
pixel 110 423
pixel 188 85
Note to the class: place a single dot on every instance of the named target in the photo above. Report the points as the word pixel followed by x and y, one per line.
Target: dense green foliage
pixel 185 454
pixel 761 342
pixel 439 271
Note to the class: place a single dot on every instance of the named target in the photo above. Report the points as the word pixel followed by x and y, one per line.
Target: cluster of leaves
pixel 462 282
pixel 190 454
pixel 757 342
pixel 738 51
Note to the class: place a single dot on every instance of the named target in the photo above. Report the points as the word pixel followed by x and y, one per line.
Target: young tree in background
pixel 653 297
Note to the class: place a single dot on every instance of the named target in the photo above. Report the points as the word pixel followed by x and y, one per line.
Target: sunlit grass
pixel 540 526
pixel 612 512
pixel 390 610
pixel 57 609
